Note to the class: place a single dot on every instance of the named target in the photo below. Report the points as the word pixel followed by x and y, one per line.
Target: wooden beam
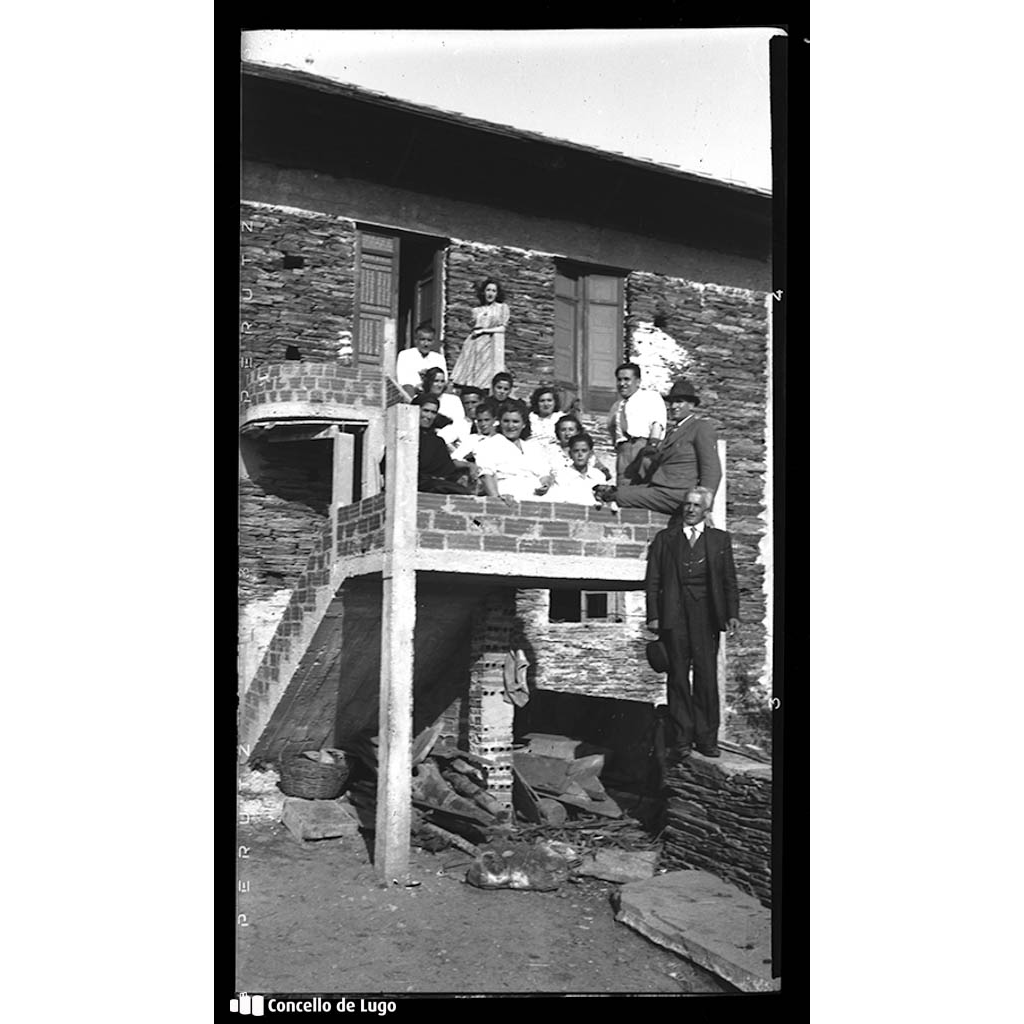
pixel 398 622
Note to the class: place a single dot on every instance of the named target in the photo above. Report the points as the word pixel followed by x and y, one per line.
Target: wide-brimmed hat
pixel 657 656
pixel 683 389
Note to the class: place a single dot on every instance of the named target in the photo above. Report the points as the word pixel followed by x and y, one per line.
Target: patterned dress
pixel 483 356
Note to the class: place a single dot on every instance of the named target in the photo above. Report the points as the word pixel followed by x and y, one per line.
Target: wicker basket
pixel 310 780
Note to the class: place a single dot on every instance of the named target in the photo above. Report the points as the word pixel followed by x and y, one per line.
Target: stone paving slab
pixel 620 865
pixel 318 819
pixel 705 920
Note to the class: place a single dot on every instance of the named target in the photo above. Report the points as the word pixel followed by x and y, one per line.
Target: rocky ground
pixel 320 923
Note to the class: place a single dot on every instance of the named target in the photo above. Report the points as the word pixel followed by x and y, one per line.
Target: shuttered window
pixel 588 335
pixel 376 293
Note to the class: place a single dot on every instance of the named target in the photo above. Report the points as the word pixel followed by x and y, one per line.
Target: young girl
pixel 483 352
pixel 544 410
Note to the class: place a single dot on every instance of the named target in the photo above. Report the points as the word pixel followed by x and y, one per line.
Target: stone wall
pixel 718 818
pixel 722 337
pixel 282 506
pixel 612 653
pixel 528 280
pixel 311 306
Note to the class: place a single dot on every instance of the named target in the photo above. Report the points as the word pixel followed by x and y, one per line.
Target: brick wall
pixel 361 527
pixel 282 506
pixel 300 616
pixel 311 383
pixel 459 523
pixel 718 818
pixel 308 307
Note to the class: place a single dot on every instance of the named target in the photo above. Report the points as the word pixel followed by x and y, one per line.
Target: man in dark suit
pixel 692 597
pixel 686 457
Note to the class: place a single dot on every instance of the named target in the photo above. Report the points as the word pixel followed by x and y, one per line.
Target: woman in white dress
pixel 483 352
pixel 513 466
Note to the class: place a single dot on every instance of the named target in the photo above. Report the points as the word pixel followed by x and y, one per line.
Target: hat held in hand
pixel 657 656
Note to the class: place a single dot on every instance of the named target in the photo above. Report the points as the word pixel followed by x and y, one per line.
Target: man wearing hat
pixel 687 457
pixel 692 597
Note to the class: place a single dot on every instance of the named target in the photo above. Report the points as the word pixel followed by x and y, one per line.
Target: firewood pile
pixel 558 798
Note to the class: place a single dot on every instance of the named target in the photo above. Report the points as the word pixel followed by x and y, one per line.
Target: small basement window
pixel 586 606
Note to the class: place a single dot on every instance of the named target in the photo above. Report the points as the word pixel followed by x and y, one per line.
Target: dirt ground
pixel 320 923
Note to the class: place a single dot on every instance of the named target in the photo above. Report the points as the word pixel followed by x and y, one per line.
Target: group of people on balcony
pixel 476 437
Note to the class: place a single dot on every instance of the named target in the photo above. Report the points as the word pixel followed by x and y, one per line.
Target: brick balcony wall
pixel 311 383
pixel 361 527
pixel 307 307
pixel 460 523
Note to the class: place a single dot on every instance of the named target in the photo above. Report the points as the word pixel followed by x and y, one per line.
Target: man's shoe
pixel 711 751
pixel 680 752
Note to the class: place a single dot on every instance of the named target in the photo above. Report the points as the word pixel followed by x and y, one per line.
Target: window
pixel 588 334
pixel 586 606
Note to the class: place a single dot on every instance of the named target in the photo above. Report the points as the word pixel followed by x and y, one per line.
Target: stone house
pixel 364 216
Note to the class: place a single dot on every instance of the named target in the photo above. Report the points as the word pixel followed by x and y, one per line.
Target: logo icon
pixel 248 1004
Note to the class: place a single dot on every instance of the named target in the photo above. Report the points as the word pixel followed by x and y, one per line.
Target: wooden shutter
pixel 376 293
pixel 565 330
pixel 603 345
pixel 427 305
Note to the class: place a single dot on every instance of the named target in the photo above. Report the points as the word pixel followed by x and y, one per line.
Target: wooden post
pixel 398 622
pixel 720 523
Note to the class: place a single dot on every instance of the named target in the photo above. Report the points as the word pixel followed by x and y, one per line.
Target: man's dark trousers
pixel 693 718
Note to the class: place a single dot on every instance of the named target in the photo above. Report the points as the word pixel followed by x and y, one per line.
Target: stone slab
pixel 705 920
pixel 318 819
pixel 619 865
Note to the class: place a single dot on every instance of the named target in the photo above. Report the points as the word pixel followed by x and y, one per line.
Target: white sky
pixel 695 98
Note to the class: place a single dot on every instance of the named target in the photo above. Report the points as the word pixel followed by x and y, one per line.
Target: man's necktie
pixel 693 536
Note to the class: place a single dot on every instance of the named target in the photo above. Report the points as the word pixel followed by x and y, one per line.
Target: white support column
pixel 720 523
pixel 398 622
pixel 389 349
pixel 373 449
pixel 343 476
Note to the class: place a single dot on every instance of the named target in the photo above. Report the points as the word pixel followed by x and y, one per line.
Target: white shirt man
pixel 411 362
pixel 637 420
